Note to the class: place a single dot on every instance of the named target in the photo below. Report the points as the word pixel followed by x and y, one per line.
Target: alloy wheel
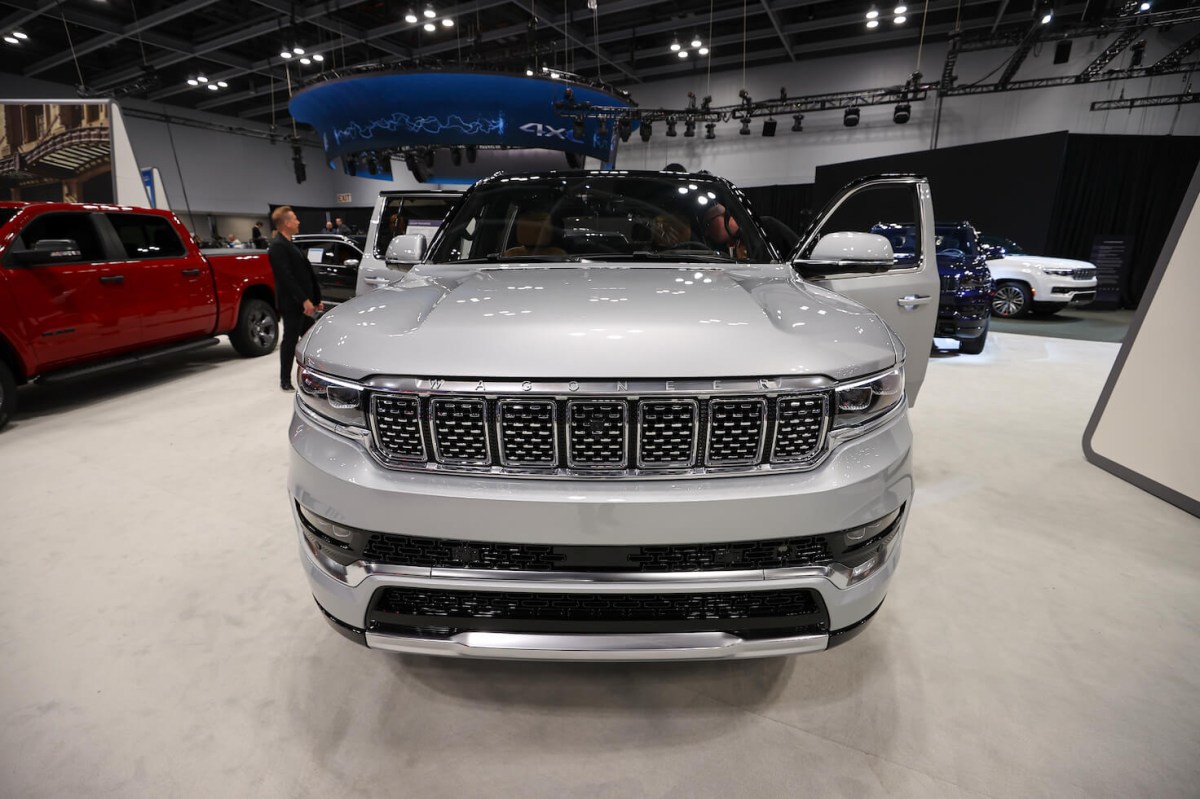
pixel 1009 301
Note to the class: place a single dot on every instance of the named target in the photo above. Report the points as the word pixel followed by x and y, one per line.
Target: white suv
pixel 1037 283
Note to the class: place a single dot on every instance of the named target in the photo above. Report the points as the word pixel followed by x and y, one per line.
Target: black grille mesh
pixel 799 430
pixel 527 432
pixel 667 433
pixel 597 434
pixel 402 550
pixel 736 430
pixel 398 427
pixel 596 607
pixel 460 430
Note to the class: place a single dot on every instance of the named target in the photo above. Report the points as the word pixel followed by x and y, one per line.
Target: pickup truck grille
pixel 621 436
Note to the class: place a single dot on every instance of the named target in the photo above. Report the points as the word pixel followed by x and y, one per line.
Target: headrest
pixel 534 229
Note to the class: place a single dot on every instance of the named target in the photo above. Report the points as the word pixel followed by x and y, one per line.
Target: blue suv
pixel 965 306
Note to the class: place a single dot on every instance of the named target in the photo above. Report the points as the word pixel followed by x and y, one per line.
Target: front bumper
pixel 861 481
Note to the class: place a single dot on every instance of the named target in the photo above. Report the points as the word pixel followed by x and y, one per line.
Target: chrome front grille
pixel 603 435
pixel 1084 273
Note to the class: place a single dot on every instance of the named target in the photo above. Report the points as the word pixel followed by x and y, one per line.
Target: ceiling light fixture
pixel 410 17
pixel 682 54
pixel 193 82
pixel 528 72
pixel 11 40
pixel 850 118
pixel 20 35
pixel 696 41
pixel 703 51
pixel 899 20
pixel 202 79
pixel 902 113
pixel 872 23
pixel 675 45
pixel 222 84
pixel 710 130
pixel 213 87
pixel 306 61
pixel 429 26
pixel 318 57
pixel 872 14
pixel 901 10
pixel 797 123
pixel 447 23
pixel 285 54
pixel 298 50
pixel 745 130
pixel 1142 7
pixel 429 12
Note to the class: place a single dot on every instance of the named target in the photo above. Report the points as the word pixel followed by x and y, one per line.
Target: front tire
pixel 257 330
pixel 8 394
pixel 974 346
pixel 1012 300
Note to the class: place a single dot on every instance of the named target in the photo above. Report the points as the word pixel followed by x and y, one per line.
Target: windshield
pixel 602 217
pixel 1009 246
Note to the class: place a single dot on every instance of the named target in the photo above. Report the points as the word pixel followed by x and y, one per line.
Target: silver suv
pixel 604 419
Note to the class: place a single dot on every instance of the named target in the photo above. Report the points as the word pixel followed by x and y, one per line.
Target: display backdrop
pixel 377 112
pixel 56 152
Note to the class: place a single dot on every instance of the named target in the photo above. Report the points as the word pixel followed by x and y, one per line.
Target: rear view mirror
pixel 48 251
pixel 351 262
pixel 407 249
pixel 837 253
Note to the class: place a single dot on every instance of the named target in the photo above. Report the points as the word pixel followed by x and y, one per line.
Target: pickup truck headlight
pixel 1054 270
pixel 338 400
pixel 860 403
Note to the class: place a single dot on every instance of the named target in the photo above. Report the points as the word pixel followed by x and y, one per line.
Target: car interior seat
pixel 535 236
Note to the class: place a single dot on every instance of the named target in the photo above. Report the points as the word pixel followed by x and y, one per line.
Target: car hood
pixel 600 321
pixel 1020 261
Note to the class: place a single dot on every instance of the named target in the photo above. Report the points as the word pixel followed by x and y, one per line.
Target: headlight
pixel 339 400
pixel 1052 270
pixel 859 403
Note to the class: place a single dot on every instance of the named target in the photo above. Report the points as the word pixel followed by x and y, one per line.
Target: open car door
pixel 893 271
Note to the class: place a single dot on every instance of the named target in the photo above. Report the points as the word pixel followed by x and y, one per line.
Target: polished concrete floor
pixel 1040 640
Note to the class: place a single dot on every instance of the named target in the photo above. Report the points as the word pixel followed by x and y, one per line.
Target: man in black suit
pixel 257 240
pixel 297 291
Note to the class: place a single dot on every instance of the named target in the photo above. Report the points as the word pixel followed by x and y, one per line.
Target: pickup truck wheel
pixel 974 346
pixel 1011 300
pixel 257 329
pixel 8 394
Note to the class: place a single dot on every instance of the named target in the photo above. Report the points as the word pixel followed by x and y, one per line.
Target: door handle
pixel 191 272
pixel 913 300
pixel 376 281
pixel 113 279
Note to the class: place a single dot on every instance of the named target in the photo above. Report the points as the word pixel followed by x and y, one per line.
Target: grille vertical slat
pixel 460 433
pixel 597 433
pixel 799 425
pixel 735 431
pixel 667 433
pixel 528 433
pixel 398 427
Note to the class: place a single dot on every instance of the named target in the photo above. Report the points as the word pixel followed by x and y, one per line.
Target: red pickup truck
pixel 90 287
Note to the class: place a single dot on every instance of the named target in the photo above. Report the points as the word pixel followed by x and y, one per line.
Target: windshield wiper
pixel 512 259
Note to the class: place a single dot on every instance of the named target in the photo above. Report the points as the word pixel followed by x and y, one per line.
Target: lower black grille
pixel 511 610
pixel 776 553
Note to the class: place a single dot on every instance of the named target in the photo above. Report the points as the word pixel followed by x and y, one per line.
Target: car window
pixel 145 236
pixel 599 217
pixel 77 227
pixel 402 215
pixel 887 210
pixel 6 214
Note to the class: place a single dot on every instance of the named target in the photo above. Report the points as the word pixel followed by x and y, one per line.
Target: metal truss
pixel 1145 102
pixel 1065 80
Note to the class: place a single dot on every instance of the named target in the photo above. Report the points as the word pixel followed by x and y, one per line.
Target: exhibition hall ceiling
pixel 243 59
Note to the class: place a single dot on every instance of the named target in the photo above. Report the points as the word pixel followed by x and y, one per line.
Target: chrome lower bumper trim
pixel 664 646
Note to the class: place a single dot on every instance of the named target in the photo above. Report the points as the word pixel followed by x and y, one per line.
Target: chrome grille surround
pixel 616 428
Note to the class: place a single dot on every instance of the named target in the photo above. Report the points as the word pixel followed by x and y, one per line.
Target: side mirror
pixel 350 262
pixel 48 251
pixel 407 249
pixel 838 253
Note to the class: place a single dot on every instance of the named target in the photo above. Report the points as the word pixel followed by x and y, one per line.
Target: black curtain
pixel 792 205
pixel 1122 185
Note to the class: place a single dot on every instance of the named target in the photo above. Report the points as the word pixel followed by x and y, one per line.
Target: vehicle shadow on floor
pixel 47 399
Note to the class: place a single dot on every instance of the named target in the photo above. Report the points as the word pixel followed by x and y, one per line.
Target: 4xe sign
pixel 546 131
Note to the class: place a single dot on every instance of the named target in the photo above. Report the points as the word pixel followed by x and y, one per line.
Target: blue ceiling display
pixel 375 115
